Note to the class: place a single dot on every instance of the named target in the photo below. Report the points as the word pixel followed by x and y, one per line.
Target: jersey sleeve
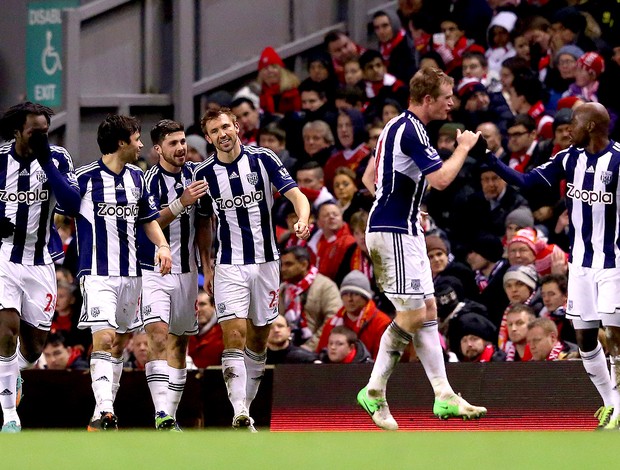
pixel 416 144
pixel 278 174
pixel 204 205
pixel 147 210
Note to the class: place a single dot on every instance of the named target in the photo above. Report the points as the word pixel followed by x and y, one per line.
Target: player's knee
pixel 587 339
pixel 411 320
pixel 234 339
pixel 157 338
pixel 103 341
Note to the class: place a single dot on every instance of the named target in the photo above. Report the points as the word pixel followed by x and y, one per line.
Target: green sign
pixel 44 40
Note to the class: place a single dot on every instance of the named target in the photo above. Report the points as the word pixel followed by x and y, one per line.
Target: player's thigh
pixel 265 286
pixel 11 291
pixel 402 268
pixel 156 293
pixel 582 295
pixel 231 291
pixel 39 300
pixel 183 319
pixel 128 309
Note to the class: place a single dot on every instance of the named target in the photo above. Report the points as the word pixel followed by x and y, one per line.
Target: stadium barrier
pixel 519 396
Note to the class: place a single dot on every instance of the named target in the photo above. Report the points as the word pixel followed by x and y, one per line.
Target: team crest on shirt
pixel 40 176
pixel 416 284
pixel 606 177
pixel 221 307
pixel 94 312
pixel 135 192
pixel 570 305
pixel 253 178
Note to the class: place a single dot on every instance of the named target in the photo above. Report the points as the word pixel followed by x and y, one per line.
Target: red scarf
pixel 267 102
pixel 536 111
pixel 554 355
pixel 511 352
pixel 502 338
pixel 361 261
pixel 486 354
pixel 348 359
pixel 386 48
pixel 294 309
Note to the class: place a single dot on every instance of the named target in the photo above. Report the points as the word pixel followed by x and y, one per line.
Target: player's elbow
pixel 438 180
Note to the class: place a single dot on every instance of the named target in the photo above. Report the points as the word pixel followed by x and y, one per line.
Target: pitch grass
pixel 226 449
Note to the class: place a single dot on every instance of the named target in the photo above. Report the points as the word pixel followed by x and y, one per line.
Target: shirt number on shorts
pixel 51 303
pixel 274 298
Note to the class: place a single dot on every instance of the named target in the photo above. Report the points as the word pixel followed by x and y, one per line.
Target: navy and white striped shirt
pixel 26 197
pixel 240 195
pixel 403 156
pixel 165 187
pixel 592 197
pixel 112 206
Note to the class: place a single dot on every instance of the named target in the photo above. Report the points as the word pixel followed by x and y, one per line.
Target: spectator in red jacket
pixel 331 242
pixel 359 313
pixel 206 347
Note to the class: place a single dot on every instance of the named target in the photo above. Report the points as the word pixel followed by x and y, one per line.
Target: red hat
pixel 528 236
pixel 269 57
pixel 567 102
pixel 592 62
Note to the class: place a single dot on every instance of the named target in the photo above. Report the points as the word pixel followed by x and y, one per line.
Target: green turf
pixel 136 450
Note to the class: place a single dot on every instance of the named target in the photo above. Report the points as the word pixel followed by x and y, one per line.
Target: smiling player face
pixel 173 151
pixel 223 133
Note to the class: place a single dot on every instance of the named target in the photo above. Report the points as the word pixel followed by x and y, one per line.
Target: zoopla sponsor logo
pixel 589 197
pixel 239 201
pixel 121 212
pixel 25 197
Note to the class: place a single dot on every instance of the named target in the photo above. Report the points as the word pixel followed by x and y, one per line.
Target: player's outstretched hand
pixel 479 150
pixel 40 147
pixel 301 230
pixel 194 192
pixel 467 138
pixel 163 258
pixel 7 228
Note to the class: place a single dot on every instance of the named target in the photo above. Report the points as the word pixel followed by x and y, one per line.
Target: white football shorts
pixel 401 268
pixel 247 291
pixel 31 290
pixel 593 295
pixel 111 302
pixel 170 299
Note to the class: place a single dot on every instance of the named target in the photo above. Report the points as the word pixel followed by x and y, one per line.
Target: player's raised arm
pixel 64 186
pixel 441 178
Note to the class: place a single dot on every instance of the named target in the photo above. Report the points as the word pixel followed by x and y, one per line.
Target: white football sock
pixel 176 385
pixel 428 348
pixel 393 342
pixel 157 380
pixel 255 369
pixel 235 377
pixel 595 364
pixel 8 384
pixel 102 376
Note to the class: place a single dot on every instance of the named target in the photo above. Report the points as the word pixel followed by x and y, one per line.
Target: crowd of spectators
pixel 498 254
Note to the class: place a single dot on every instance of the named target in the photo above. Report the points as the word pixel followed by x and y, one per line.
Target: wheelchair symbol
pixel 50 56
